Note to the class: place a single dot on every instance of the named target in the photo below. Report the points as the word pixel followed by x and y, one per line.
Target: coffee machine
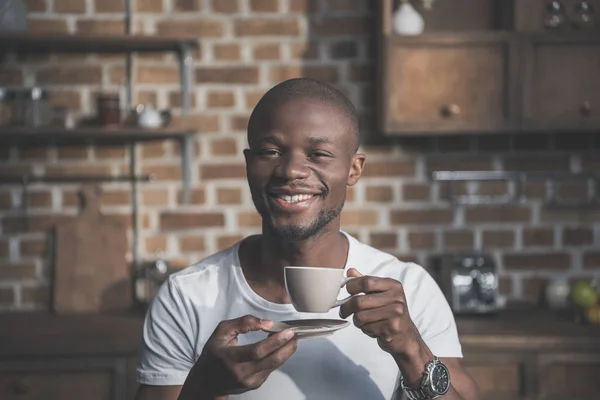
pixel 469 282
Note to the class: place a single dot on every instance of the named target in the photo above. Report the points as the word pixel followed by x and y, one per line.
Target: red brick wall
pixel 246 47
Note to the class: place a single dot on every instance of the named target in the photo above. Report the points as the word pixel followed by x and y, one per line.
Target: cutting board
pixel 91 272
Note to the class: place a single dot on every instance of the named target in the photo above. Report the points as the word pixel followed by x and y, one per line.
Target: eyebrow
pixel 276 141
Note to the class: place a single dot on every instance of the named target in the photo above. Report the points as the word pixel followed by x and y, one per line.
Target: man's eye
pixel 270 153
pixel 320 154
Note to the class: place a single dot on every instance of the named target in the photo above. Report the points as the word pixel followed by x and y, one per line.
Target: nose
pixel 292 167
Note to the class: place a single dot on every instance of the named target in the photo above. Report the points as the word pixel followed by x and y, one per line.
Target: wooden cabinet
pixel 562 82
pixel 449 83
pixel 572 376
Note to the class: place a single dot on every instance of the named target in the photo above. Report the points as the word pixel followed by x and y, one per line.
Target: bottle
pixel 407 21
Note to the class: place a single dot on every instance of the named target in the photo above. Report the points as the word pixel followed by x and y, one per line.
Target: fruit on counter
pixel 584 294
pixel 592 315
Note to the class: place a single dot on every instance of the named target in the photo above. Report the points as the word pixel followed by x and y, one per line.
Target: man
pixel 204 336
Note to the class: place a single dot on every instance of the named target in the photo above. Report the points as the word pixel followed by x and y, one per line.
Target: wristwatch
pixel 435 383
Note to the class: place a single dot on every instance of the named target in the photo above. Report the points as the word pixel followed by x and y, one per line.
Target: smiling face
pixel 300 160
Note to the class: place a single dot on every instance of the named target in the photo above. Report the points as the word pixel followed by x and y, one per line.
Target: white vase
pixel 407 21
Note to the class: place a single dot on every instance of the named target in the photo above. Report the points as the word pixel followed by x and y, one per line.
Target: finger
pixel 258 372
pixel 262 349
pixel 365 302
pixel 385 330
pixel 353 272
pixel 372 284
pixel 228 331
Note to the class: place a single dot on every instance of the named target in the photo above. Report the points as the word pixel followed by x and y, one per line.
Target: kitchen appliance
pixel 469 282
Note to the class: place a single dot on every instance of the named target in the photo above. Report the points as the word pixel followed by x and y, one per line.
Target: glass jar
pixel 148 279
pixel 108 109
pixel 31 107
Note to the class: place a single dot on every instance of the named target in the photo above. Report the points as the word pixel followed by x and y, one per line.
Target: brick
pixel 458 240
pixel 267 51
pixel 533 289
pixel 153 150
pixel 389 169
pixel 150 6
pixel 7 296
pixel 239 122
pixel 69 6
pixel 5 201
pixel 154 244
pixel 225 6
pixel 37 223
pixel 498 239
pixel 109 6
pixel 222 171
pixel 361 73
pixel 493 188
pixel 38 295
pixel 501 213
pixel 187 5
pixel 110 152
pixel 537 261
pixel 163 172
pixel 198 196
pixel 384 240
pixel 591 260
pixel 183 221
pixel 54 26
pixel 148 74
pixel 72 152
pixel 421 217
pixel 578 236
pixel 304 51
pixel 572 190
pixel 200 122
pixel 231 75
pixel 305 5
pixel 340 26
pixel 36 5
pixel 69 75
pixel 359 217
pixel 264 5
pixel 100 27
pixel 249 220
pixel 115 198
pixel 194 28
pixel 4 249
pixel 66 98
pixel 155 197
pixel 380 194
pixel 148 97
pixel 224 147
pixel 217 99
pixel 343 50
pixel 590 163
pixel 538 237
pixel 33 153
pixel 572 215
pixel 227 52
pixel 535 190
pixel 421 240
pixel 253 97
pixel 266 27
pixel 350 194
pixel 229 196
pixel 39 199
pixel 224 242
pixel 9 76
pixel 320 73
pixel 451 163
pixel 192 243
pixel 539 163
pixel 505 286
pixel 416 192
pixel 175 100
pixel 78 170
pixel 17 271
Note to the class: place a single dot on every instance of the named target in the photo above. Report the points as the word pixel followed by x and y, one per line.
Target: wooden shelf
pixel 124 135
pixel 35 43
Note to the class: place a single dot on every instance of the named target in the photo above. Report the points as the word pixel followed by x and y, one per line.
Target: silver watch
pixel 435 383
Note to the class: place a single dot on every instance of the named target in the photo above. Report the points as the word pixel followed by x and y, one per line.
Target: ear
pixel 247 155
pixel 356 167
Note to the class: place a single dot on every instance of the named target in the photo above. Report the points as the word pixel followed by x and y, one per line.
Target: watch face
pixel 440 379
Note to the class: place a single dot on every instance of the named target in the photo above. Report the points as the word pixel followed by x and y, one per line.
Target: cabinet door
pixel 449 84
pixel 563 83
pixel 573 376
pixel 58 379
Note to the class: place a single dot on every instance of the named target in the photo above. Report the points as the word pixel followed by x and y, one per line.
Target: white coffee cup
pixel 315 289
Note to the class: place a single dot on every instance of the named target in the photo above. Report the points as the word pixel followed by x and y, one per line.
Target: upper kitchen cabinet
pixel 449 83
pixel 562 83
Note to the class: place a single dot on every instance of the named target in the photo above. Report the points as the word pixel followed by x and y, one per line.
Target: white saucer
pixel 305 328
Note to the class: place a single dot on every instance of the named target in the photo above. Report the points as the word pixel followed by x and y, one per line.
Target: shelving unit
pixel 127 44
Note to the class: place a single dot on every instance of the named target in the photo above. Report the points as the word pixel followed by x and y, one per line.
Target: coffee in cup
pixel 315 289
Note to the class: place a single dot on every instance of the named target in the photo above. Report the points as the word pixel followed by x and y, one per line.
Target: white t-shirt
pixel 346 365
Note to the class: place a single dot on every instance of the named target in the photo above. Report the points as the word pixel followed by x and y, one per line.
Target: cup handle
pixel 343 301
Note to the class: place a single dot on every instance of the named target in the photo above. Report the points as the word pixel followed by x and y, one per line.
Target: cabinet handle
pixel 585 109
pixel 21 386
pixel 450 110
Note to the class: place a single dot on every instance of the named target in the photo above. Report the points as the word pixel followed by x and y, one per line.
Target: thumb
pixel 353 272
pixel 229 330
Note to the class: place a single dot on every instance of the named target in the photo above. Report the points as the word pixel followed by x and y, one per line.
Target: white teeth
pixel 296 198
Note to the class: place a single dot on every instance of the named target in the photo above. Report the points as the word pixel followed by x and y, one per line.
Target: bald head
pixel 305 89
